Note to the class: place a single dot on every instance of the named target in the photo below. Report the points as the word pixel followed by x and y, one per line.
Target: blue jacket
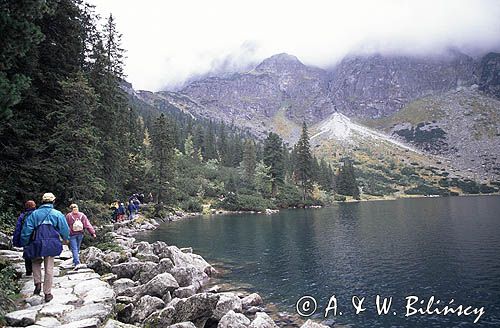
pixel 49 225
pixel 16 238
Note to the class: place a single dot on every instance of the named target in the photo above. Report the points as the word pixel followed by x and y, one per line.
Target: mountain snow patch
pixel 340 127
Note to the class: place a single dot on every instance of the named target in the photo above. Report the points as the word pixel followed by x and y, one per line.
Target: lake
pixel 448 248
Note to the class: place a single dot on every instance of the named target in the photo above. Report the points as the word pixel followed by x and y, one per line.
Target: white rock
pixel 99 295
pixel 95 310
pixel 311 324
pixel 117 324
pixel 233 320
pixel 23 317
pixel 262 320
pixel 227 302
pixel 56 310
pixel 85 323
pixel 48 322
pixel 84 287
pixel 251 300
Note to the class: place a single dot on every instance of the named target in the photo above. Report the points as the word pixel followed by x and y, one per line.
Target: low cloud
pixel 171 43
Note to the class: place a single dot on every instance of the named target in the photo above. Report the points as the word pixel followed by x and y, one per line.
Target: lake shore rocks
pixel 142 284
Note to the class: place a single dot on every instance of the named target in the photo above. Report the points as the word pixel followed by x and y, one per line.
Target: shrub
pixel 192 205
pixel 253 203
pixel 339 198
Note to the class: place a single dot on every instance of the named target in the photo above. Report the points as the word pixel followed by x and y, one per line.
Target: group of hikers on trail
pixel 39 232
pixel 132 209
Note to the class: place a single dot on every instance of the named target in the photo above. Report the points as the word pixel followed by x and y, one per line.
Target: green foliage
pixel 346 180
pixel 304 163
pixel 427 190
pixel 273 158
pixel 104 240
pixel 9 288
pixel 192 205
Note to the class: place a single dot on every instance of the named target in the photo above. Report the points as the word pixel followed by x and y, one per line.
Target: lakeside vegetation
pixel 69 127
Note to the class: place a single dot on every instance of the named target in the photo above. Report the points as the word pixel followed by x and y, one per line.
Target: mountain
pixel 435 115
pixel 377 86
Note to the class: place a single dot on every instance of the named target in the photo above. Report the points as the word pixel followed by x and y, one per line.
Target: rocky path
pixel 81 298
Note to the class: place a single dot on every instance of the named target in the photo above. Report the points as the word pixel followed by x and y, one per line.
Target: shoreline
pixel 141 284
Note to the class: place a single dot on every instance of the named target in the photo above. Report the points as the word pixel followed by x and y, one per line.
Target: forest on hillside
pixel 69 127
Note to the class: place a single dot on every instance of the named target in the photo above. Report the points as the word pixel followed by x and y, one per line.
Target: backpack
pixel 77 223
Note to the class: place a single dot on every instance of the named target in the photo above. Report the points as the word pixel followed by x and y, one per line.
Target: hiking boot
pixel 38 289
pixel 48 298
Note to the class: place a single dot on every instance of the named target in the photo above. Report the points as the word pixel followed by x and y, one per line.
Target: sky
pixel 170 42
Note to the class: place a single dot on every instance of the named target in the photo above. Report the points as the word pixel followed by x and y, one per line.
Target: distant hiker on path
pixel 131 210
pixel 78 223
pixel 40 235
pixel 29 207
pixel 120 213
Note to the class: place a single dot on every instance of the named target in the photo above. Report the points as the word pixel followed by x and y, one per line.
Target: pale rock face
pixel 233 320
pixel 262 320
pixel 311 324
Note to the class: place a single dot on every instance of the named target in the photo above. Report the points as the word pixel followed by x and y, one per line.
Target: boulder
pixel 22 318
pixel 85 323
pixel 159 285
pixel 227 302
pixel 160 249
pixel 311 324
pixel 189 275
pixel 185 292
pixel 233 320
pixel 127 269
pixel 90 253
pixel 47 322
pixel 146 273
pixel 99 265
pixel 116 258
pixel 197 309
pixel 124 286
pixel 98 311
pixel 186 324
pixel 117 324
pixel 251 300
pixel 187 250
pixel 263 320
pixel 146 305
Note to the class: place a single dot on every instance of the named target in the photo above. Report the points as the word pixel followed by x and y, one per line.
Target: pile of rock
pixel 161 285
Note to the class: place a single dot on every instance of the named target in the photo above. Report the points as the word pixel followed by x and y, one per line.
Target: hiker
pixel 29 207
pixel 151 199
pixel 140 197
pixel 137 205
pixel 78 223
pixel 114 206
pixel 131 210
pixel 40 236
pixel 120 213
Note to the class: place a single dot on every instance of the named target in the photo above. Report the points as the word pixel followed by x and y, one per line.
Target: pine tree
pixel 20 34
pixel 346 180
pixel 249 162
pixel 273 157
pixel 75 143
pixel 163 154
pixel 304 163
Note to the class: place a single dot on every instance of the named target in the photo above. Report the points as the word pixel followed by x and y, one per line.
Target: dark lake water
pixel 448 248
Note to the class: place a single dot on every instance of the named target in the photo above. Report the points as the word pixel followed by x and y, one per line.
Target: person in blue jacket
pixel 29 207
pixel 41 235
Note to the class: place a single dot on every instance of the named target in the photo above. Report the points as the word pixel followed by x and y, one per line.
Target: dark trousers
pixel 27 265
